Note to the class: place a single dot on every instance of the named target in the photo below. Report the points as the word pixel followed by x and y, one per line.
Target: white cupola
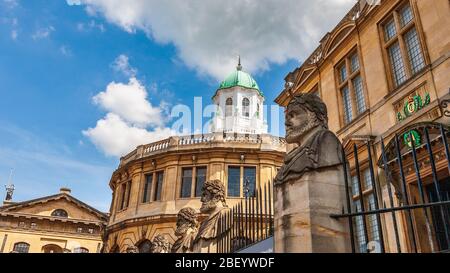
pixel 240 103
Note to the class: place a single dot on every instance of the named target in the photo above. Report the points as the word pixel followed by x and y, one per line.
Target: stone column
pixel 302 208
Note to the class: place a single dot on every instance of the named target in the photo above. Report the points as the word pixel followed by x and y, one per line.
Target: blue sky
pixel 56 56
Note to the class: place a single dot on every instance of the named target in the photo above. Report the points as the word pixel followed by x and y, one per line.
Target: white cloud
pixel 121 64
pixel 209 34
pixel 115 137
pixel 66 51
pixel 11 3
pixel 131 119
pixel 92 25
pixel 43 33
pixel 129 101
pixel 14 34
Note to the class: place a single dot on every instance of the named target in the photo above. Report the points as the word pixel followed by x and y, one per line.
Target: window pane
pixel 367 180
pixel 373 224
pixel 234 177
pixel 21 247
pixel 389 30
pixel 354 62
pixel 398 68
pixel 147 188
pixel 229 107
pixel 343 73
pixel 246 107
pixel 159 185
pixel 123 192
pixel 60 213
pixel 199 181
pixel 348 111
pixel 359 94
pixel 250 181
pixel 355 189
pixel 414 51
pixel 186 182
pixel 80 250
pixel 406 15
pixel 361 240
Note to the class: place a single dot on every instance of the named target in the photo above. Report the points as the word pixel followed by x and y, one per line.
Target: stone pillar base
pixel 302 222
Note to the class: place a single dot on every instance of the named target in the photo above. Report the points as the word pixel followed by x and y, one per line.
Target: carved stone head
pixel 304 113
pixel 186 219
pixel 160 244
pixel 213 192
pixel 132 249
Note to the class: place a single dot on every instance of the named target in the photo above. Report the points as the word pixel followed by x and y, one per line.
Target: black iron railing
pixel 411 202
pixel 248 222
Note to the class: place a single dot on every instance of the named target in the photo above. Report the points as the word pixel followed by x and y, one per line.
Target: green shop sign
pixel 416 139
pixel 412 105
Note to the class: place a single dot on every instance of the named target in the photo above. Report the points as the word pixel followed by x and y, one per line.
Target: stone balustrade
pixel 176 143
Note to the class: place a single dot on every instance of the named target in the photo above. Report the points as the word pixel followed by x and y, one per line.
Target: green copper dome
pixel 240 78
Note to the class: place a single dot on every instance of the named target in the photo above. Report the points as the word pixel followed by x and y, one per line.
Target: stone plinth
pixel 302 214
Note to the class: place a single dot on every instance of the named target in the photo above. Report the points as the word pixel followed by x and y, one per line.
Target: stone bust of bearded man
pixel 160 244
pixel 307 126
pixel 213 203
pixel 186 230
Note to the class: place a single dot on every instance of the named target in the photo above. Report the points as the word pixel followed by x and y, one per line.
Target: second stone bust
pixel 187 228
pixel 214 204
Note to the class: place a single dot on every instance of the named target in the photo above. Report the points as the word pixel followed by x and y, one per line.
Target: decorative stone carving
pixel 160 244
pixel 310 185
pixel 186 230
pixel 213 203
pixel 132 249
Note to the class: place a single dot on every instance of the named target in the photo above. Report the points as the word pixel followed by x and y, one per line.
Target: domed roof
pixel 240 78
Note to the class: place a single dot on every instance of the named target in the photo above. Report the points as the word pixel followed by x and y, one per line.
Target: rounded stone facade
pixel 155 181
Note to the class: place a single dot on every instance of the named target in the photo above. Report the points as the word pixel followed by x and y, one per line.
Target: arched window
pixel 246 107
pixel 80 250
pixel 21 247
pixel 60 213
pixel 257 110
pixel 145 246
pixel 229 107
pixel 51 248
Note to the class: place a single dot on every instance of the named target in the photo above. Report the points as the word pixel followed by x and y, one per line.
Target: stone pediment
pixel 45 206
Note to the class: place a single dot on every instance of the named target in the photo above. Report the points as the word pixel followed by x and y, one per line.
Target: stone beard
pixel 186 231
pixel 213 203
pixel 318 147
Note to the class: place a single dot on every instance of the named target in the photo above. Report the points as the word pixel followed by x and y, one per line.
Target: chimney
pixel 65 190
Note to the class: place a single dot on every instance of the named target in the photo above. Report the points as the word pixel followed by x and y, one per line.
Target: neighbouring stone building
pixel 385 70
pixel 58 223
pixel 155 181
